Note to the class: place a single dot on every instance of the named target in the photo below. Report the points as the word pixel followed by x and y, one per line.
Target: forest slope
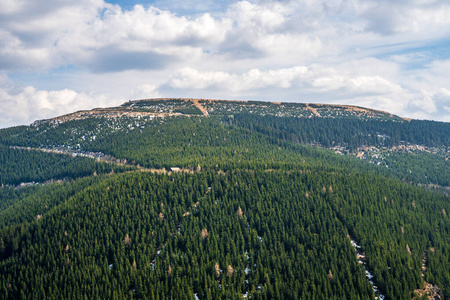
pixel 256 212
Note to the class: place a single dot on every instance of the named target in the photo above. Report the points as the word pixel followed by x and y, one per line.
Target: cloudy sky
pixel 58 56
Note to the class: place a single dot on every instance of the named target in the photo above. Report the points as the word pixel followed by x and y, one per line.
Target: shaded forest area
pixel 352 133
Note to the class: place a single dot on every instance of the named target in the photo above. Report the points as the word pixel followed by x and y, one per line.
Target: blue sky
pixel 187 7
pixel 58 56
pixel 128 4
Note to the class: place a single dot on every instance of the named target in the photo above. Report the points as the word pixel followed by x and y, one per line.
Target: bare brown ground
pixel 97 113
pixel 313 110
pixel 125 111
pixel 199 106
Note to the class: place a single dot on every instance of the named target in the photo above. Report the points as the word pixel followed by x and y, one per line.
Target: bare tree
pixel 205 233
pixel 127 240
pixel 240 212
pixel 217 269
pixel 230 271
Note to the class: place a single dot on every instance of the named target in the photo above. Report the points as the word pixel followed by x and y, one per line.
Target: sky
pixel 60 56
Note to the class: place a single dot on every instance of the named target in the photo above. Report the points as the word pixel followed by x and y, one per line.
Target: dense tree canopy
pixel 252 213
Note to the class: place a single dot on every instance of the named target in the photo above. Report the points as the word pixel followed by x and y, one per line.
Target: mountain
pixel 207 199
pixel 212 107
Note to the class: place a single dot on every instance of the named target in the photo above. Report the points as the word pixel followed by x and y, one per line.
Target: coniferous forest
pixel 229 206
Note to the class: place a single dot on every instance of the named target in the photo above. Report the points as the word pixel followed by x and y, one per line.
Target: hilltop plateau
pixel 190 106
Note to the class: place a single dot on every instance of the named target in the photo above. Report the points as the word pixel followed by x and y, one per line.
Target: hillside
pixel 209 107
pixel 209 199
pixel 415 151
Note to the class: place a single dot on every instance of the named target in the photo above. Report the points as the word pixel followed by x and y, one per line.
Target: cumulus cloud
pixel 30 30
pixel 23 105
pixel 96 35
pixel 318 78
pixel 414 17
pixel 145 91
pixel 37 35
pixel 366 52
pixel 430 105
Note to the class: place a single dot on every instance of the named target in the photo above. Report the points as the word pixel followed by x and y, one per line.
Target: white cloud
pixel 155 25
pixel 157 38
pixel 361 51
pixel 39 35
pixel 413 18
pixel 259 19
pixel 84 34
pixel 321 79
pixel 23 105
pixel 189 78
pixel 11 6
pixel 432 78
pixel 430 105
pixel 145 91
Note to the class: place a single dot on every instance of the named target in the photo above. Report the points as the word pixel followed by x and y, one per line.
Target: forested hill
pixel 211 107
pixel 326 125
pixel 209 199
pixel 413 150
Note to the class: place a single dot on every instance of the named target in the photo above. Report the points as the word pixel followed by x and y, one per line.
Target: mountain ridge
pixel 156 107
